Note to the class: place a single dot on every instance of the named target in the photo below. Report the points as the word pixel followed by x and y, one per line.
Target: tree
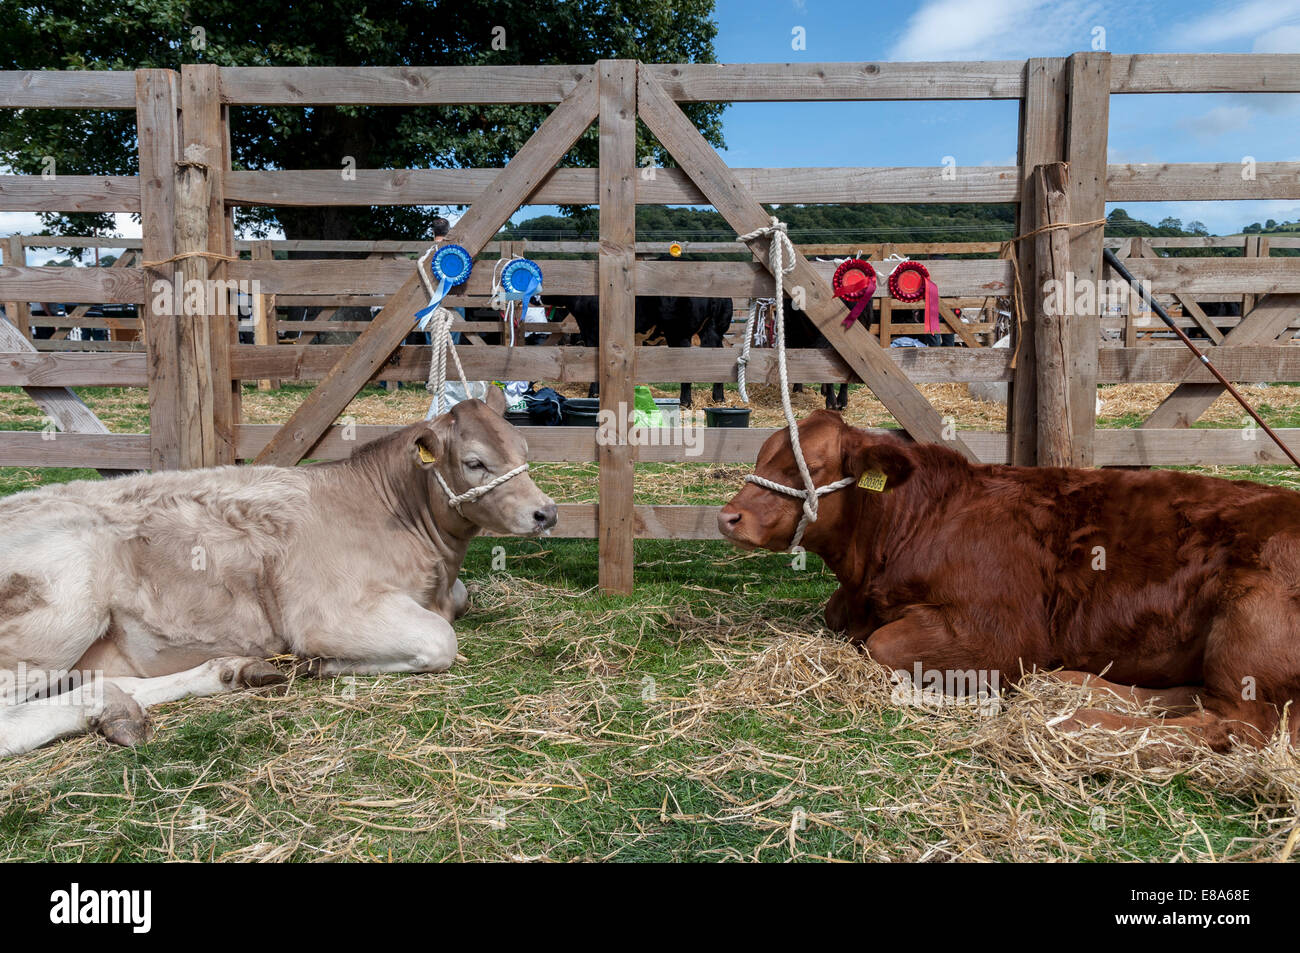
pixel 75 34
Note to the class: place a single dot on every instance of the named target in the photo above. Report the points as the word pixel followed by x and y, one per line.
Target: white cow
pixel 167 585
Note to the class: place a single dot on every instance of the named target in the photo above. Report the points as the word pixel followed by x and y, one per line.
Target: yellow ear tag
pixel 873 480
pixel 425 455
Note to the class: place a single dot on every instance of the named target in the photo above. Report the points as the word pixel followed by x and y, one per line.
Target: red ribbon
pixel 854 283
pixel 910 281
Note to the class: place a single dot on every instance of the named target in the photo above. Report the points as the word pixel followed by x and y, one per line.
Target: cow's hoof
pixel 123 721
pixel 256 673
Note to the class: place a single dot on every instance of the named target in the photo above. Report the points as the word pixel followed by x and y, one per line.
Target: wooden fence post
pixel 617 88
pixel 158 138
pixel 202 226
pixel 265 326
pixel 1042 140
pixel 1085 151
pixel 18 312
pixel 1052 263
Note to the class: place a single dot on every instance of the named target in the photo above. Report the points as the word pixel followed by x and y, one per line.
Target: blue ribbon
pixel 520 279
pixel 450 266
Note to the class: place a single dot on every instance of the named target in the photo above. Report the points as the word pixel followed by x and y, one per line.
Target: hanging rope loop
pixel 782 258
pixel 440 337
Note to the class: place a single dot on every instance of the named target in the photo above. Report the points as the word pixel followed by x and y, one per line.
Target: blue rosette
pixel 520 279
pixel 449 267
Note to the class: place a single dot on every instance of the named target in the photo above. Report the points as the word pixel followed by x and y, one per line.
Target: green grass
pixel 706 717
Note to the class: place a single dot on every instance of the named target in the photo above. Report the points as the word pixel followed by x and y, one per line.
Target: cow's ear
pixel 878 463
pixel 427 448
pixel 495 398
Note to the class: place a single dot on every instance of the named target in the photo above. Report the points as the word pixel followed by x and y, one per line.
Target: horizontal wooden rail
pixel 82 285
pixel 1201 181
pixel 70 193
pixel 25 448
pixel 910 185
pixel 569 277
pixel 1204 275
pixel 24 369
pixel 1183 447
pixel 67 89
pixel 396 85
pixel 1205 73
pixel 807 82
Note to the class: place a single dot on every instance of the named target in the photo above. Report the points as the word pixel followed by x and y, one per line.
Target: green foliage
pixel 807 224
pixel 98 35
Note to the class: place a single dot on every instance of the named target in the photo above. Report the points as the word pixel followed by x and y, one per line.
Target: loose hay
pixel 777 737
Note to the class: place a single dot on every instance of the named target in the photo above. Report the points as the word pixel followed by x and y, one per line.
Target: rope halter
pixel 806 516
pixel 474 492
pixel 781 261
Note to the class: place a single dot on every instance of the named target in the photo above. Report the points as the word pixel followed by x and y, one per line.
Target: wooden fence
pixel 186 191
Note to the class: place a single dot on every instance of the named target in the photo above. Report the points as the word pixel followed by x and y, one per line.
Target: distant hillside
pixel 840 224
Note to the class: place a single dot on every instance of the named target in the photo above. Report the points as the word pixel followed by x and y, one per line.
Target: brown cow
pixel 1182 589
pixel 145 589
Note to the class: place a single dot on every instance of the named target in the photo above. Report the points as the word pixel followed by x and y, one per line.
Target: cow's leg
pixel 846 616
pixel 1204 727
pixel 796 388
pixel 593 389
pixel 459 599
pixel 92 706
pixel 842 402
pixel 686 395
pixel 924 636
pixel 392 634
pixel 1177 700
pixel 718 395
pixel 213 677
pixel 828 395
pixel 838 614
pixel 1250 670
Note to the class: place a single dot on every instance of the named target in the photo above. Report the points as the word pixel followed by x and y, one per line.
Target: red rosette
pixel 910 281
pixel 907 281
pixel 854 279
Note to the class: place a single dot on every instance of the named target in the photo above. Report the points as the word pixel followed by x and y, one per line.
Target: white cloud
pixel 1257 20
pixel 1283 39
pixel 995 29
pixel 1218 121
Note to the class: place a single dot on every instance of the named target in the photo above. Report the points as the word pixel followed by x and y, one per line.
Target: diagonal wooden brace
pixel 1270 318
pixel 744 213
pixel 480 223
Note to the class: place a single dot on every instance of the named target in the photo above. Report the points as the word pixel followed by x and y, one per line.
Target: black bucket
pixel 581 411
pixel 519 418
pixel 726 416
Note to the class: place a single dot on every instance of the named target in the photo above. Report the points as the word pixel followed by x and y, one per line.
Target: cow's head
pixel 471 445
pixel 758 517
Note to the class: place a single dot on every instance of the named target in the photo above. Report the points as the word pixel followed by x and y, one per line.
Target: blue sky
pixel 1167 128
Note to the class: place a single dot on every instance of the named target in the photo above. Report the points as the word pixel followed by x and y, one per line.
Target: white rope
pixel 781 250
pixel 474 492
pixel 440 337
pixel 755 333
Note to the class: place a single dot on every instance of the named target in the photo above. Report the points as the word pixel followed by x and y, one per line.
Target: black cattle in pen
pixel 800 332
pixel 674 321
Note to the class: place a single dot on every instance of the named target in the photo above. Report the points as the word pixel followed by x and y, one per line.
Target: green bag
pixel 646 412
